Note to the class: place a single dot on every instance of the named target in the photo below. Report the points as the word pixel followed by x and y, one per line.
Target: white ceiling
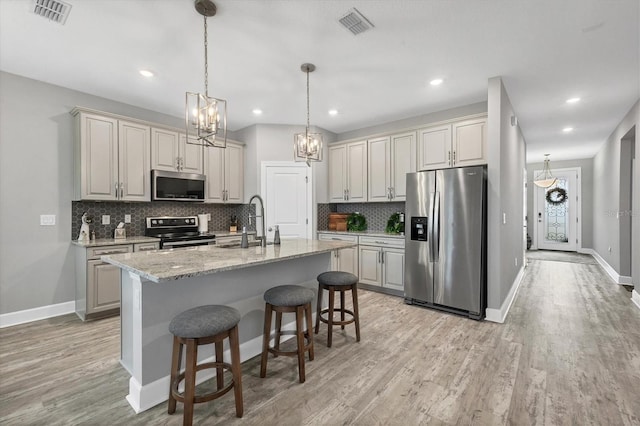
pixel 545 50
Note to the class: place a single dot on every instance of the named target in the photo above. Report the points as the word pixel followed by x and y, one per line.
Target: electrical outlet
pixel 106 219
pixel 47 219
pixel 209 217
pixel 127 218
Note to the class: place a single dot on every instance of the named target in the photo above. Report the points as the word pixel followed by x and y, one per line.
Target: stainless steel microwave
pixel 177 186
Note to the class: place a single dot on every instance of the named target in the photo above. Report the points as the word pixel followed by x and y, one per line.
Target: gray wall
pixel 36 134
pixel 606 194
pixel 506 165
pixel 421 120
pixel 586 166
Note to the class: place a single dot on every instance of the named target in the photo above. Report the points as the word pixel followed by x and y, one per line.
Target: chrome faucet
pixel 263 239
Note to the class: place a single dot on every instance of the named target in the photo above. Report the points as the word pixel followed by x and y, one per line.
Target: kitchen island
pixel 158 285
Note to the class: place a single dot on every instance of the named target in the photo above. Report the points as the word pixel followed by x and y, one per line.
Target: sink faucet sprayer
pixel 263 239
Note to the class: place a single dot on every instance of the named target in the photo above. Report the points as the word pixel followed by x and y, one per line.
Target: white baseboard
pixel 36 314
pixel 142 398
pixel 499 315
pixel 585 251
pixel 617 278
pixel 635 298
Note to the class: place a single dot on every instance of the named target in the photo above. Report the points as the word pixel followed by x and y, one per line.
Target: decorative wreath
pixel 556 196
pixel 356 222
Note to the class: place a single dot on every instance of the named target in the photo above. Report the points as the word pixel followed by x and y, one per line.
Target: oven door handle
pixel 188 243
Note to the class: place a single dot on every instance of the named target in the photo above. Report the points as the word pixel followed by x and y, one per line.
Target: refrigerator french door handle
pixel 432 197
pixel 435 237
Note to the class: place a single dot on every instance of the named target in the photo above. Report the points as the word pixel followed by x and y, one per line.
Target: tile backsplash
pixel 220 215
pixel 377 214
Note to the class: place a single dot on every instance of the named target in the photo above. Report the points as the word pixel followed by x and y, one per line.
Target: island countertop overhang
pixel 169 265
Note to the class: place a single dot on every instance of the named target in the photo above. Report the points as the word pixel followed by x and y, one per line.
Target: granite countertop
pixel 364 233
pixel 101 242
pixel 168 265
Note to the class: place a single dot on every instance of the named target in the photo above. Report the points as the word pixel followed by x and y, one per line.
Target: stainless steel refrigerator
pixel 445 250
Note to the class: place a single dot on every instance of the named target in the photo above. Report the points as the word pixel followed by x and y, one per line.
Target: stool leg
pixel 307 308
pixel 190 382
pixel 176 359
pixel 234 346
pixel 276 345
pixel 219 370
pixel 342 308
pixel 319 308
pixel 330 315
pixel 265 340
pixel 354 295
pixel 300 337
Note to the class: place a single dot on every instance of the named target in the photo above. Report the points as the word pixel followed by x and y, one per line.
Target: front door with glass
pixel 556 210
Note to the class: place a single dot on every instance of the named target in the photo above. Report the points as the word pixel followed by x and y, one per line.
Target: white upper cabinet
pixel 171 152
pixel 462 143
pixel 224 168
pixel 348 172
pixel 111 159
pixel 470 142
pixel 390 159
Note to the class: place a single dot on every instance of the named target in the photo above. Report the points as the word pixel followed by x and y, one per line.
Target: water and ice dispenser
pixel 419 228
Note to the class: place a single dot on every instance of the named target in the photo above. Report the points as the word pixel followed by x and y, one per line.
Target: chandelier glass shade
pixel 307 146
pixel 545 179
pixel 205 116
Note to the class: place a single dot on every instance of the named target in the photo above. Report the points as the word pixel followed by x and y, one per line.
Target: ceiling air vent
pixel 53 10
pixel 355 22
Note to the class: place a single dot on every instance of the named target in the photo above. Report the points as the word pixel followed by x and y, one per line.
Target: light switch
pixel 127 218
pixel 47 219
pixel 106 219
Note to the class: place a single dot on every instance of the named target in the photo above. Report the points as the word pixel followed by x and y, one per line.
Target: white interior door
pixel 556 222
pixel 287 196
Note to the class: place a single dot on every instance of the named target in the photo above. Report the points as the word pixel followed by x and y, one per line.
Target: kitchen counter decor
pixel 356 222
pixel 395 224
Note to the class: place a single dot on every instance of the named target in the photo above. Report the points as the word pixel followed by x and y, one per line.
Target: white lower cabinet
pixel 382 262
pixel 346 259
pixel 98 282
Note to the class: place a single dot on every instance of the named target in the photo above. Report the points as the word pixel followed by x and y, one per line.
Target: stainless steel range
pixel 176 232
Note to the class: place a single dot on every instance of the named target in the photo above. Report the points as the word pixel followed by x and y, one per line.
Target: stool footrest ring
pixel 206 397
pixel 337 322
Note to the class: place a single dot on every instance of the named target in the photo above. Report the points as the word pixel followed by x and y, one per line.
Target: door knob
pixel 270 229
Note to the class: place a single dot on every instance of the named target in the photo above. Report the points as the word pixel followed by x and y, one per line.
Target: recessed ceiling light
pixel 146 73
pixel 333 112
pixel 436 82
pixel 567 129
pixel 573 100
pixel 257 111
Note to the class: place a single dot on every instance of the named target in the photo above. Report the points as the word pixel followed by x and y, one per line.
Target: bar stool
pixel 337 281
pixel 204 325
pixel 281 299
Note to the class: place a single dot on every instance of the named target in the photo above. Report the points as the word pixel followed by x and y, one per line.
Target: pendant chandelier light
pixel 307 146
pixel 206 116
pixel 545 179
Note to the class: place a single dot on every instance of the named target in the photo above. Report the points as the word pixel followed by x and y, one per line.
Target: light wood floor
pixel 569 353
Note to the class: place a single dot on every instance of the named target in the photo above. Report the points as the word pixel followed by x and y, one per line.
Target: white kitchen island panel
pixel 148 306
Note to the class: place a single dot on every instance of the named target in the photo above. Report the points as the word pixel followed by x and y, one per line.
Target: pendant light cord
pixel 206 60
pixel 307 131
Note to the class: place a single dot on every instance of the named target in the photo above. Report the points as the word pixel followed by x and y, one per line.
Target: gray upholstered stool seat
pixel 288 295
pixel 204 321
pixel 204 325
pixel 337 278
pixel 341 282
pixel 288 299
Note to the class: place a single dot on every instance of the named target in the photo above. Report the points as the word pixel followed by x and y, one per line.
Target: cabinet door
pixel 164 149
pixel 403 161
pixel 434 148
pixel 191 155
pixel 103 286
pixel 393 265
pixel 134 143
pixel 357 172
pixel 98 157
pixel 470 142
pixel 337 173
pixel 214 170
pixel 348 260
pixel 379 169
pixel 370 266
pixel 234 173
